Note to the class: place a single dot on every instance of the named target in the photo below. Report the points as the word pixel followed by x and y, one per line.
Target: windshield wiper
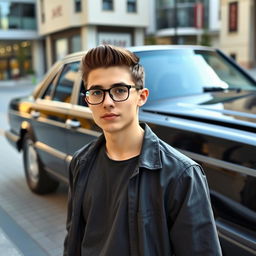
pixel 220 89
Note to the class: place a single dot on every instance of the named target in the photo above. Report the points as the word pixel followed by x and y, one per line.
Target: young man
pixel 131 193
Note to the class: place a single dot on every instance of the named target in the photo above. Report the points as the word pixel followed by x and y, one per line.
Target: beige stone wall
pixel 60 15
pixel 239 42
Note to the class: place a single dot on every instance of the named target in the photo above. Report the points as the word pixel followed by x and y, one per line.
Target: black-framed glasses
pixel 118 93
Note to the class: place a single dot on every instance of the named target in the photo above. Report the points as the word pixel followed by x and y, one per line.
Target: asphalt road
pixel 35 224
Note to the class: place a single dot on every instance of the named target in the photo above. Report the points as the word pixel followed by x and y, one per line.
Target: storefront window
pixel 61 48
pixel 75 43
pixel 186 12
pixel 17 16
pixel 15 60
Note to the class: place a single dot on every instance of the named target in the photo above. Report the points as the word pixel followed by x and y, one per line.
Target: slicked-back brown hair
pixel 104 56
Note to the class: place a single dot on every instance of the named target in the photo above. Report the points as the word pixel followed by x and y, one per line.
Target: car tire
pixel 37 178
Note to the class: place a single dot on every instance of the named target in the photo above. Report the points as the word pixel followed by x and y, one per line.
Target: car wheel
pixel 37 178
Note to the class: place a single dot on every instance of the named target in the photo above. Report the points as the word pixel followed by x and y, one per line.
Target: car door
pixel 50 113
pixel 82 128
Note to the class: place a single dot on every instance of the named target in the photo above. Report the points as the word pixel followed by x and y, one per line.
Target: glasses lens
pixel 119 93
pixel 94 96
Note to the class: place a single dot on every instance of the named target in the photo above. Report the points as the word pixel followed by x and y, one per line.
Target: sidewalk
pixel 19 82
pixel 7 247
pixel 15 241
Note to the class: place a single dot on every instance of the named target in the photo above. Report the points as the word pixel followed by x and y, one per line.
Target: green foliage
pixel 150 40
pixel 205 39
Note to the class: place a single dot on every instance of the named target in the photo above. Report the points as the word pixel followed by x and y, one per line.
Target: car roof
pixel 150 48
pixel 168 47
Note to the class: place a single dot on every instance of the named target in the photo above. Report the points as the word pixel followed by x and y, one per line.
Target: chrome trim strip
pixel 52 151
pixel 236 243
pixel 230 234
pixel 57 106
pixel 41 119
pixel 9 135
pixel 51 122
pixel 215 131
pixel 219 163
pixel 62 125
pixel 68 159
pixel 77 110
pixel 19 114
pixel 59 176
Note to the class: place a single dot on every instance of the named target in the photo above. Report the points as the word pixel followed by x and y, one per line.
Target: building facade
pixel 238 30
pixel 185 21
pixel 21 51
pixel 73 25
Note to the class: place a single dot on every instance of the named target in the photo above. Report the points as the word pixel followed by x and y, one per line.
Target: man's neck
pixel 124 145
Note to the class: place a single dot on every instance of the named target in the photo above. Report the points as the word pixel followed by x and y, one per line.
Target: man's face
pixel 114 116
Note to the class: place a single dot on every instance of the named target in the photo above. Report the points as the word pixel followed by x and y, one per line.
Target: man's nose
pixel 108 100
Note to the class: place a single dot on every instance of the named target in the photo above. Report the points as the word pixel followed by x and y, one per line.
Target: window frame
pixel 108 2
pixel 54 79
pixel 130 3
pixel 77 6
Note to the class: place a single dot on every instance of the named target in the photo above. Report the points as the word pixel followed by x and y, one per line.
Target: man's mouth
pixel 109 116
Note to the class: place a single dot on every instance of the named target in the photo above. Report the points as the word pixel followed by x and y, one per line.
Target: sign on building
pixel 117 39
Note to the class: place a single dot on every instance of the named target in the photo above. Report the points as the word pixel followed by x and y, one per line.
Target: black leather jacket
pixel 169 207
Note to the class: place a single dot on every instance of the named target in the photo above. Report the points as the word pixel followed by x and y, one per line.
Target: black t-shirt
pixel 105 207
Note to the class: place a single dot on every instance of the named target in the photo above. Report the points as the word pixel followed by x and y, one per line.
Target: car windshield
pixel 181 72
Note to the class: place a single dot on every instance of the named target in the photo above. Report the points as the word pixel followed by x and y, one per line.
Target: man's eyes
pixel 96 92
pixel 119 90
pixel 114 90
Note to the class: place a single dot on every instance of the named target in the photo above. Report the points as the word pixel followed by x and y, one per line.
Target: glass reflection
pixel 17 16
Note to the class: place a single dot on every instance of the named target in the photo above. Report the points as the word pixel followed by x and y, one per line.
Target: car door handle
pixel 72 123
pixel 35 114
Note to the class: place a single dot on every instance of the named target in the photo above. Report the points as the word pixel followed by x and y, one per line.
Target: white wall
pixel 151 29
pixel 38 58
pixel 214 13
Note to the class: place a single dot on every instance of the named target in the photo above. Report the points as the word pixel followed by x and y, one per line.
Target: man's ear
pixel 143 96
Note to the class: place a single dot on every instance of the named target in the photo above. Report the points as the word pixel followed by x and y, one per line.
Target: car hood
pixel 228 108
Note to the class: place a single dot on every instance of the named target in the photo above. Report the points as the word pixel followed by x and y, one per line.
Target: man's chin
pixel 110 128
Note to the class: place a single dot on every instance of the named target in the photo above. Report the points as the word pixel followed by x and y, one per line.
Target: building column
pixel 252 35
pixel 38 61
pixel 88 37
pixel 138 36
pixel 48 49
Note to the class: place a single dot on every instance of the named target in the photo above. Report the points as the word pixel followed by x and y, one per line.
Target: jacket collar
pixel 150 152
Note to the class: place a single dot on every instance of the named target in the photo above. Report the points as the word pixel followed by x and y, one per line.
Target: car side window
pixel 48 92
pixel 81 97
pixel 64 86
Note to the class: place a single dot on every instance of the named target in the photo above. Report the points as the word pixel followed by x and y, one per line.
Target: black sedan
pixel 201 102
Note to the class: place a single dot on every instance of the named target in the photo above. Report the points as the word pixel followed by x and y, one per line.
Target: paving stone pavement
pixel 41 217
pixel 7 247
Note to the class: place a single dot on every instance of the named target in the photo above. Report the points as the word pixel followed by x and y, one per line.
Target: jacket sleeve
pixel 69 204
pixel 193 230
